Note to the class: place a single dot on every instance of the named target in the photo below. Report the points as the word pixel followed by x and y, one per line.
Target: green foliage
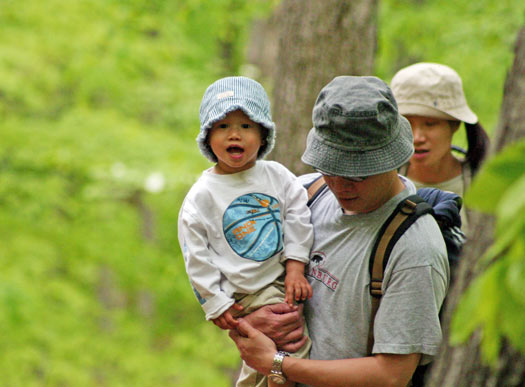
pixel 476 38
pixel 85 298
pixel 98 118
pixel 495 301
pixel 99 112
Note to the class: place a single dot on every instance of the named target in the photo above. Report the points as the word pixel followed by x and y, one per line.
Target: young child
pixel 244 227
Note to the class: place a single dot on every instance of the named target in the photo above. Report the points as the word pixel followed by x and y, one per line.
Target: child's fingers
pixel 288 297
pixel 305 291
pixel 304 294
pixel 238 307
pixel 230 321
pixel 309 291
pixel 298 292
pixel 220 322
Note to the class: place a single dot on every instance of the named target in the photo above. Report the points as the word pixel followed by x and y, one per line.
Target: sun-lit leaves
pixel 499 174
pixel 99 114
pixel 476 38
pixel 495 301
pixel 98 118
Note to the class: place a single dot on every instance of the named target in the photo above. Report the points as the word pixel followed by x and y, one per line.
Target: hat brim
pixel 462 113
pixel 342 162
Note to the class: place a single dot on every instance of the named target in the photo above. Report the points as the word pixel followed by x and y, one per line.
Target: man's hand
pixel 256 349
pixel 281 323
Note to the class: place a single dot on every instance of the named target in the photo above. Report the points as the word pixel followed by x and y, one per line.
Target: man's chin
pixel 349 205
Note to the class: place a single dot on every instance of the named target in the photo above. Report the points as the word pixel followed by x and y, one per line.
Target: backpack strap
pixel 404 215
pixel 314 189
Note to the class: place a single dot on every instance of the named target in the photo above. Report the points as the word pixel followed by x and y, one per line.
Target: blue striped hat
pixel 227 95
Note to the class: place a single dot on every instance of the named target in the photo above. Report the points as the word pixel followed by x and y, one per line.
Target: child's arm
pixel 298 240
pixel 201 263
pixel 295 284
pixel 226 320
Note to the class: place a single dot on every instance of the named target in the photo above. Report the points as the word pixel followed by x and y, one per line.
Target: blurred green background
pixel 98 117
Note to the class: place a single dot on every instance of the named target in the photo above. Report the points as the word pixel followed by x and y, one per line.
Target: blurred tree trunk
pixel 461 365
pixel 318 40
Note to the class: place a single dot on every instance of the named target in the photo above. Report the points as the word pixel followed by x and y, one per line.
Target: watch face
pixel 277 379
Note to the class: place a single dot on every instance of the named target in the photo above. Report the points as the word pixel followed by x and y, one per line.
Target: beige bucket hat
pixel 431 90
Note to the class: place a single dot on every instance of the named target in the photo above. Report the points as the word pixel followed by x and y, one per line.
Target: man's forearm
pixel 380 370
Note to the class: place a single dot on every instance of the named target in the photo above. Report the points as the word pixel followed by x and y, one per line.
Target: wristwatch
pixel 276 374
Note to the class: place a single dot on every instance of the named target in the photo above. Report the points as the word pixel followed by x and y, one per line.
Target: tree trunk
pixel 318 40
pixel 461 365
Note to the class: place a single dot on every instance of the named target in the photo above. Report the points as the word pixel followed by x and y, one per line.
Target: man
pixel 358 142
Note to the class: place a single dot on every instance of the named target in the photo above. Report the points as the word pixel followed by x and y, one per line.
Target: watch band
pixel 276 373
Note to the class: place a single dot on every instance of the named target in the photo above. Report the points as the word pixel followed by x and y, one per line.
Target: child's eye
pixel 246 126
pixel 223 126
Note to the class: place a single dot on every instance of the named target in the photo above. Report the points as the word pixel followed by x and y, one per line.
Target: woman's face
pixel 432 140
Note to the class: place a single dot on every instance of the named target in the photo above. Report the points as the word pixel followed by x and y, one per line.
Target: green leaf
pixel 506 235
pixel 512 202
pixel 495 177
pixel 515 277
pixel 467 318
pixel 513 316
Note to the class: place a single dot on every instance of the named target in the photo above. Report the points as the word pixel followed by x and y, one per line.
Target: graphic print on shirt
pixel 319 273
pixel 252 226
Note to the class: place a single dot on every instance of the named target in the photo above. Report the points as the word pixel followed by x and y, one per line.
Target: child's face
pixel 235 141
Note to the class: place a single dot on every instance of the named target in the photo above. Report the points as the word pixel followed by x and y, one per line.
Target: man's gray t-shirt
pixel 414 286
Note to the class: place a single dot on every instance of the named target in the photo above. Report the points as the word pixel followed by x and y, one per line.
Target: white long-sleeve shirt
pixel 236 230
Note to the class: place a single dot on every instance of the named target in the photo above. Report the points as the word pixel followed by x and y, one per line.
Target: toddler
pixel 244 227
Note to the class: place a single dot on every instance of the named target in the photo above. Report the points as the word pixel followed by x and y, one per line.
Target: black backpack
pixel 444 206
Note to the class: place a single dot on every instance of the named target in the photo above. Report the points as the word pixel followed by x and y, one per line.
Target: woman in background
pixel 431 97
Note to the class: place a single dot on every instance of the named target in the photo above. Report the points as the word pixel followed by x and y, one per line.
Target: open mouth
pixel 235 150
pixel 420 151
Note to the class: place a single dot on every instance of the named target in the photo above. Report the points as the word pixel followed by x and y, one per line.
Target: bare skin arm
pixel 379 370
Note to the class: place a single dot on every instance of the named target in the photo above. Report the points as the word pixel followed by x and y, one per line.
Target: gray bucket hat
pixel 431 90
pixel 357 129
pixel 227 95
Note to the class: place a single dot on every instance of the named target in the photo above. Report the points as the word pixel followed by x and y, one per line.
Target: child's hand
pixel 226 320
pixel 296 288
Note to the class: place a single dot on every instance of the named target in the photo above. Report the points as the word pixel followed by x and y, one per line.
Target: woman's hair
pixel 478 146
